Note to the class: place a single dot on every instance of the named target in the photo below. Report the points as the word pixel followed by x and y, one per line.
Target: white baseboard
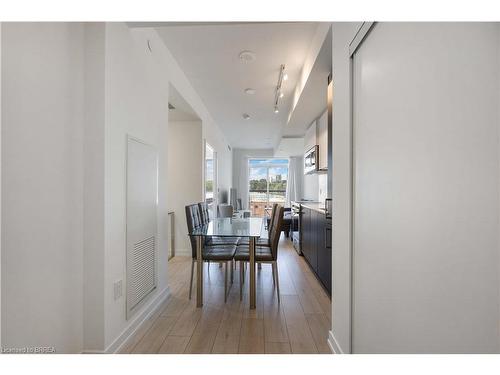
pixel 136 323
pixel 333 344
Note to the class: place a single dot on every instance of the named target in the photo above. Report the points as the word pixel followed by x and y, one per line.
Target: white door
pixel 426 184
pixel 142 239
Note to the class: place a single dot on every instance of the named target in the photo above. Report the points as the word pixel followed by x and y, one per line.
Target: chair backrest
pixel 238 204
pixel 274 234
pixel 193 220
pixel 225 210
pixel 204 213
pixel 271 219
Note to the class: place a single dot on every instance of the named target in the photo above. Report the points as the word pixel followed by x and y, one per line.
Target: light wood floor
pixel 300 324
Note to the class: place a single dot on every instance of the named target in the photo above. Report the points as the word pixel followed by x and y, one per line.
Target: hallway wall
pixel 42 180
pixel 185 171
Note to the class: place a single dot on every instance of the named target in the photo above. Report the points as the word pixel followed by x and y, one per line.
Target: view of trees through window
pixel 209 174
pixel 267 183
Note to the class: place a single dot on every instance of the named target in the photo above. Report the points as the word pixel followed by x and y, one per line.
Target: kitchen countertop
pixel 316 206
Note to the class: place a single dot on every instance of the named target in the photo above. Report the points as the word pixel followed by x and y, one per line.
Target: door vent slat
pixel 143 271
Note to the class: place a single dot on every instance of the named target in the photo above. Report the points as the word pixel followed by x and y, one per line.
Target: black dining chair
pixel 218 253
pixel 205 219
pixel 262 241
pixel 263 254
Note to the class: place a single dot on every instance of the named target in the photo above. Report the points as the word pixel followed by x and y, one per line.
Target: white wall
pixel 42 180
pixel 185 171
pixel 93 188
pixel 0 184
pixel 136 104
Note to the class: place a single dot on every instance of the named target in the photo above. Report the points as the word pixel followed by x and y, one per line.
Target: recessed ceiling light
pixel 281 94
pixel 247 56
pixel 246 116
pixel 285 77
pixel 250 91
pixel 276 110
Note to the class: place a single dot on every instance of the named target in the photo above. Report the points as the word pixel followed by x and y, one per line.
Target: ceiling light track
pixel 279 88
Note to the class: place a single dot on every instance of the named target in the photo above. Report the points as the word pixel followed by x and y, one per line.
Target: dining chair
pixel 205 219
pixel 225 210
pixel 218 253
pixel 263 254
pixel 239 206
pixel 262 241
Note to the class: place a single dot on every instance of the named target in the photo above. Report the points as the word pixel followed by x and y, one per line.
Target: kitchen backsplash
pixel 322 187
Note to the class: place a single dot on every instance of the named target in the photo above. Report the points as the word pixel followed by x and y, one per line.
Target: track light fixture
pixel 279 91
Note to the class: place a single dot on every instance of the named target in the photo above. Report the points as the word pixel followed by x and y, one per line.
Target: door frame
pixel 360 36
pixel 215 187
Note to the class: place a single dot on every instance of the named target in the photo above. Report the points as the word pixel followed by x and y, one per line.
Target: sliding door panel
pixel 425 128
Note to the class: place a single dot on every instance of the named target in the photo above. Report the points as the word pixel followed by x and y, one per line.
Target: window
pixel 210 175
pixel 267 183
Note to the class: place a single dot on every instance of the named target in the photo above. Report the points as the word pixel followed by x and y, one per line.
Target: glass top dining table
pixel 231 227
pixel 250 227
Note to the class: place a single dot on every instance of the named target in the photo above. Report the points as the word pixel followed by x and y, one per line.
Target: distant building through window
pixel 267 184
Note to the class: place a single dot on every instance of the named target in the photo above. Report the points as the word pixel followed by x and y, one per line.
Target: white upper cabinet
pixel 322 140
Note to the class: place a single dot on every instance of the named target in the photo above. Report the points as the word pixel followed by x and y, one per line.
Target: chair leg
pixel 241 280
pixel 274 274
pixel 232 270
pixel 191 282
pixel 275 266
pixel 225 281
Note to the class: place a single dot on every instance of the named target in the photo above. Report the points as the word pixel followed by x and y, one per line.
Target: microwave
pixel 311 160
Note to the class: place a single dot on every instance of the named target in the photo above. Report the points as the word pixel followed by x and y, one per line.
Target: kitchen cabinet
pixel 308 237
pixel 325 254
pixel 322 140
pixel 316 244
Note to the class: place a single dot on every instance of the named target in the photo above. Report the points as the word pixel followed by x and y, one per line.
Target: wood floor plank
pixel 301 340
pixel 277 348
pixel 175 307
pixel 252 336
pixel 300 324
pixel 186 323
pixel 226 344
pixel 174 345
pixel 319 326
pixel 153 339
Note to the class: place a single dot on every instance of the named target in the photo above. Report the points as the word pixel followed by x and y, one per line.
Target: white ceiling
pixel 208 55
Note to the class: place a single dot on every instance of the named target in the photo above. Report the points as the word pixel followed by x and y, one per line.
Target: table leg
pixel 199 269
pixel 252 272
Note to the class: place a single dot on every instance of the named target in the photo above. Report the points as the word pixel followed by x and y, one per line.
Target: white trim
pixel 139 320
pixel 360 36
pixel 333 344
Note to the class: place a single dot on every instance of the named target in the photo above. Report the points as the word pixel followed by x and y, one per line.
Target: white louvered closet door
pixel 142 193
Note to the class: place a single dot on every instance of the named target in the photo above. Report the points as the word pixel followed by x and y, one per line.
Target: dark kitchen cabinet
pixel 308 237
pixel 325 255
pixel 316 244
